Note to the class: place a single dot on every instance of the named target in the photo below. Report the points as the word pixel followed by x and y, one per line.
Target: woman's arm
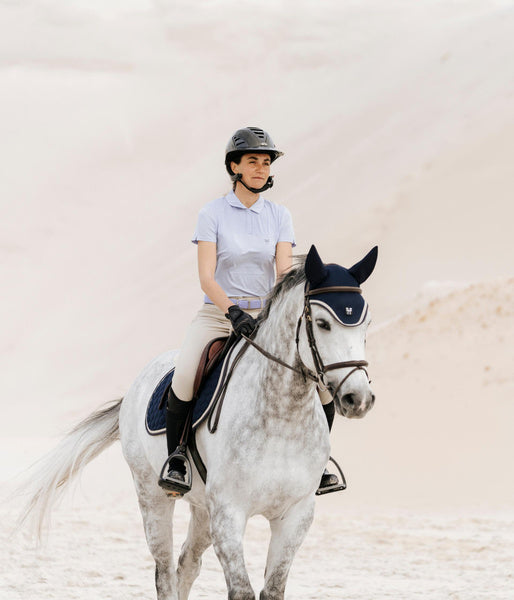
pixel 283 258
pixel 206 270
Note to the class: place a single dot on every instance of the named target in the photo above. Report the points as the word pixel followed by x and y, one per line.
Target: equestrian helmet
pixel 249 139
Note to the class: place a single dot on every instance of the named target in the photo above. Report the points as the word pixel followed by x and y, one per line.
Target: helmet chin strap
pixel 266 186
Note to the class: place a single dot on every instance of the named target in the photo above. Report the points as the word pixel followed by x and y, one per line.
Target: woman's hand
pixel 242 322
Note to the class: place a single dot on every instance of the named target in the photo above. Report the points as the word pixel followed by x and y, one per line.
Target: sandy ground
pixel 397 120
pixel 99 551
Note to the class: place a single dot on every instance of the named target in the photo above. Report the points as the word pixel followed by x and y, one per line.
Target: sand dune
pixel 440 431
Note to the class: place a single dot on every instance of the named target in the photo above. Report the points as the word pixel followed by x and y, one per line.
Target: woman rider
pixel 242 240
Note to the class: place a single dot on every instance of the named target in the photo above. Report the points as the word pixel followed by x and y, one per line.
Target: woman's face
pixel 254 169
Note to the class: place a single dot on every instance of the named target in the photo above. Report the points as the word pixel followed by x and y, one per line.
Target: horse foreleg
pixel 287 534
pixel 157 511
pixel 190 560
pixel 227 530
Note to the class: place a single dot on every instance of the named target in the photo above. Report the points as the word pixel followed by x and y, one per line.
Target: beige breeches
pixel 208 324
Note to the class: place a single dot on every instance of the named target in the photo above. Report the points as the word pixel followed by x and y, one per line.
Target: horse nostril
pixel 349 399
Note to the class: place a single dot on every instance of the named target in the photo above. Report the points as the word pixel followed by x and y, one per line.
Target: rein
pixel 305 371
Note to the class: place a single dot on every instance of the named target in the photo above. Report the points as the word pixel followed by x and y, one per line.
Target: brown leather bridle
pixel 321 369
pixel 319 377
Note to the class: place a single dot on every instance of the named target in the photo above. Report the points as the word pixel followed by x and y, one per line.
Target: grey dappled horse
pixel 272 441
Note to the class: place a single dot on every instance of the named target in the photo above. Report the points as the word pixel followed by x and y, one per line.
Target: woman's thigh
pixel 208 324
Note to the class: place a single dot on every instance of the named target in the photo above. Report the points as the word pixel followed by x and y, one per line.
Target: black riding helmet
pixel 250 139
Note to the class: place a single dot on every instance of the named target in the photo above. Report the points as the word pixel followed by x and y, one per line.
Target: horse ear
pixel 363 269
pixel 315 270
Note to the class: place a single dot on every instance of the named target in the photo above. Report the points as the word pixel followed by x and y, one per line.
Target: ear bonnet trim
pixel 346 316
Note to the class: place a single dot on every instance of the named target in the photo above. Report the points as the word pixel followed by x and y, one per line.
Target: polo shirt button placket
pixel 248 220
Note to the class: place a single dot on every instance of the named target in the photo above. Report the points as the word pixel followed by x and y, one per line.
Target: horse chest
pixel 267 466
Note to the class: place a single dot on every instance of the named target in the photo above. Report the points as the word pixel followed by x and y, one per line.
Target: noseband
pixel 319 376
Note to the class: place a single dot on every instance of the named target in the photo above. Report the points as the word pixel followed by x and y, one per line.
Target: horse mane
pixel 295 276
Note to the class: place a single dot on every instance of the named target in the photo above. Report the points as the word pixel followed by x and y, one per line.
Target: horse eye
pixel 323 324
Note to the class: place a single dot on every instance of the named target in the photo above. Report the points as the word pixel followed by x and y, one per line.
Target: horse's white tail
pixel 49 477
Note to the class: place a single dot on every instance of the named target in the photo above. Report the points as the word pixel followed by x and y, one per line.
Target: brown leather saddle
pixel 212 355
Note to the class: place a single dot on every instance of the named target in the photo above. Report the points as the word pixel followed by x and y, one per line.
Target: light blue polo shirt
pixel 245 242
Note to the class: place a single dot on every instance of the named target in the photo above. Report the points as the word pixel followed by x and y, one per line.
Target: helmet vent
pixel 258 132
pixel 239 142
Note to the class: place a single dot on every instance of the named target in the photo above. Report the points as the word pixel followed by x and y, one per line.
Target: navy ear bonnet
pixel 349 308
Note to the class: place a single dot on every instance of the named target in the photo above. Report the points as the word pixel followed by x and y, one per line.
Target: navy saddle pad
pixel 156 417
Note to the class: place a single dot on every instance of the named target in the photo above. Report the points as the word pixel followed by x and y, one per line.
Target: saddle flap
pixel 211 355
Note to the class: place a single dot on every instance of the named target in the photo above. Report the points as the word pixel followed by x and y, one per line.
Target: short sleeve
pixel 286 231
pixel 206 227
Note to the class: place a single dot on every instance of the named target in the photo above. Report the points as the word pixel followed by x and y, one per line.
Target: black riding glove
pixel 242 322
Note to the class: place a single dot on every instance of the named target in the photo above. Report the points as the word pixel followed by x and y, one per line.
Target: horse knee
pixel 165 581
pixel 198 540
pixel 188 569
pixel 275 586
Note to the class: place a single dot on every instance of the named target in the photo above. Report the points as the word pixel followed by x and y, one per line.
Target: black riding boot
pixel 176 416
pixel 329 479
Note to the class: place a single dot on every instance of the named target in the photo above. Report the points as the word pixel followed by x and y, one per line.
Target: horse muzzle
pixel 354 404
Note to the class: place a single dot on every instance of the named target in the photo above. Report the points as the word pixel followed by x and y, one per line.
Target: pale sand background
pixel 397 119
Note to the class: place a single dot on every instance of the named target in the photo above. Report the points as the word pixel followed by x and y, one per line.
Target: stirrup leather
pixel 175 487
pixel 337 487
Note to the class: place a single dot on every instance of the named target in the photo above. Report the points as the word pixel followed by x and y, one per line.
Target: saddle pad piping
pixel 157 431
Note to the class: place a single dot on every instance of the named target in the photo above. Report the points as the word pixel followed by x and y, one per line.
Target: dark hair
pixel 234 157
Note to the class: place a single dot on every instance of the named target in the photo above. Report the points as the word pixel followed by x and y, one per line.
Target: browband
pixel 334 288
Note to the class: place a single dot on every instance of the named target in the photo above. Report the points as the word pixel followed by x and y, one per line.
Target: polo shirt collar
pixel 233 200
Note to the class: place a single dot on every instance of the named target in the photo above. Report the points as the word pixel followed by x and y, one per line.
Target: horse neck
pixel 277 336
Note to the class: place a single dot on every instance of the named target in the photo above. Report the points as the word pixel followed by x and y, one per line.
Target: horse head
pixel 337 317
